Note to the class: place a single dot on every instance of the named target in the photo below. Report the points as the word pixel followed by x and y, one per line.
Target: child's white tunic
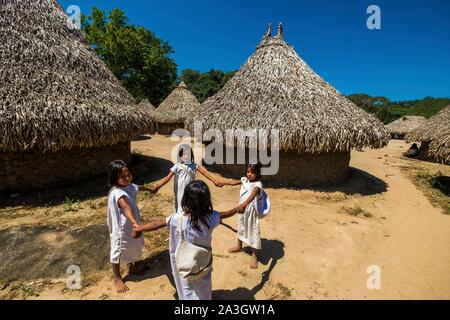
pixel 124 248
pixel 248 222
pixel 199 289
pixel 184 174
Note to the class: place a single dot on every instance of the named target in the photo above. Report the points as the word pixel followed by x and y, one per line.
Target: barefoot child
pixel 196 221
pixel 248 222
pixel 123 213
pixel 184 172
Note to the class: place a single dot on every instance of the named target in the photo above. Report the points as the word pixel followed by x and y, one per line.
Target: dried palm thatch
pixel 174 109
pixel 275 89
pixel 400 127
pixel 435 136
pixel 146 105
pixel 55 93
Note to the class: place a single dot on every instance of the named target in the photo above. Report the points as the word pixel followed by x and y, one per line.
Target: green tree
pixel 205 85
pixel 136 56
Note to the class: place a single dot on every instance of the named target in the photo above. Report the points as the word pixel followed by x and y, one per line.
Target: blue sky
pixel 408 58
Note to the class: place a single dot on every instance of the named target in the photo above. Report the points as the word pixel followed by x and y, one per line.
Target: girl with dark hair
pixel 184 172
pixel 248 230
pixel 194 224
pixel 123 214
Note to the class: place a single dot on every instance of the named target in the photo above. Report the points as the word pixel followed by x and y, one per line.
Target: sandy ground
pixel 312 247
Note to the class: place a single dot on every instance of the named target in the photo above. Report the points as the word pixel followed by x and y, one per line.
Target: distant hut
pixel 172 112
pixel 63 114
pixel 275 89
pixel 146 105
pixel 434 137
pixel 404 125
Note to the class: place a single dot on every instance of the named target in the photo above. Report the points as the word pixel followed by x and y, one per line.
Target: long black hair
pixel 115 168
pixel 197 202
pixel 256 169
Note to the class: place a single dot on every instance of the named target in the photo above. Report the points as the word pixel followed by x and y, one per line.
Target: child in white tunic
pixel 248 230
pixel 199 221
pixel 123 214
pixel 184 172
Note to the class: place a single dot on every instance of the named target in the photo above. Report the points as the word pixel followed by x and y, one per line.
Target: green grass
pixel 436 187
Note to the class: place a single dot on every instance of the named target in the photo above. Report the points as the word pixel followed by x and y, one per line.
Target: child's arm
pixel 146 189
pixel 231 182
pixel 252 196
pixel 154 225
pixel 229 213
pixel 127 211
pixel 161 183
pixel 209 176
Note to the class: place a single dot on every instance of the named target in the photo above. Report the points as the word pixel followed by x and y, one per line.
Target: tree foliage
pixel 136 56
pixel 388 111
pixel 205 85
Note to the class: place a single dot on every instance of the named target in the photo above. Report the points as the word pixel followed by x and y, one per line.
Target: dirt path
pixel 313 248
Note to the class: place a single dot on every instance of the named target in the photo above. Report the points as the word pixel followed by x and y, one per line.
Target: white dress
pixel 124 248
pixel 200 289
pixel 248 222
pixel 184 174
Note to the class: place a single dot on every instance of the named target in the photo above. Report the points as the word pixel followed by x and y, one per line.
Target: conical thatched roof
pixel 275 89
pixel 146 105
pixel 405 124
pixel 55 93
pixel 177 105
pixel 435 132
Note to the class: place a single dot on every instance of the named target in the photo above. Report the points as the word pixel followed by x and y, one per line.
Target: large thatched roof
pixel 435 132
pixel 55 93
pixel 405 125
pixel 177 105
pixel 275 89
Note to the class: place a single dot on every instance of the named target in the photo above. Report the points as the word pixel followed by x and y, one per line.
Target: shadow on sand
pixel 146 170
pixel 271 252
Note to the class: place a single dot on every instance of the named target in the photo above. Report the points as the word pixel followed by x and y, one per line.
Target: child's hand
pixel 135 233
pixel 241 208
pixel 219 183
pixel 153 189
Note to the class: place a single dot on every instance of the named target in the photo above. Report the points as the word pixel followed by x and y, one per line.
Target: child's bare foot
pixel 235 249
pixel 121 287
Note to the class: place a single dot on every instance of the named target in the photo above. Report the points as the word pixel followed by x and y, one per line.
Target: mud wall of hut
pixel 296 170
pixel 24 171
pixel 169 128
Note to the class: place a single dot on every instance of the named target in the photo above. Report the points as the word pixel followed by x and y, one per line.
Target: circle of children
pixel 190 226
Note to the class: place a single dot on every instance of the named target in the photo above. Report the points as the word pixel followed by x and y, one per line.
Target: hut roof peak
pixel 182 85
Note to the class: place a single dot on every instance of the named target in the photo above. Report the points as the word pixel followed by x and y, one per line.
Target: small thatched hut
pixel 172 112
pixel 146 105
pixel 434 137
pixel 404 125
pixel 63 114
pixel 275 89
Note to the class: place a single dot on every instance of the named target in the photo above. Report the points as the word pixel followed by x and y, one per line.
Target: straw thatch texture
pixel 404 125
pixel 177 106
pixel 55 93
pixel 434 136
pixel 146 105
pixel 275 89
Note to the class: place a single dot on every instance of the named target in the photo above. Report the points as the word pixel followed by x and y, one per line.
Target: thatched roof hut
pixel 146 105
pixel 172 112
pixel 402 126
pixel 63 114
pixel 276 89
pixel 434 136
